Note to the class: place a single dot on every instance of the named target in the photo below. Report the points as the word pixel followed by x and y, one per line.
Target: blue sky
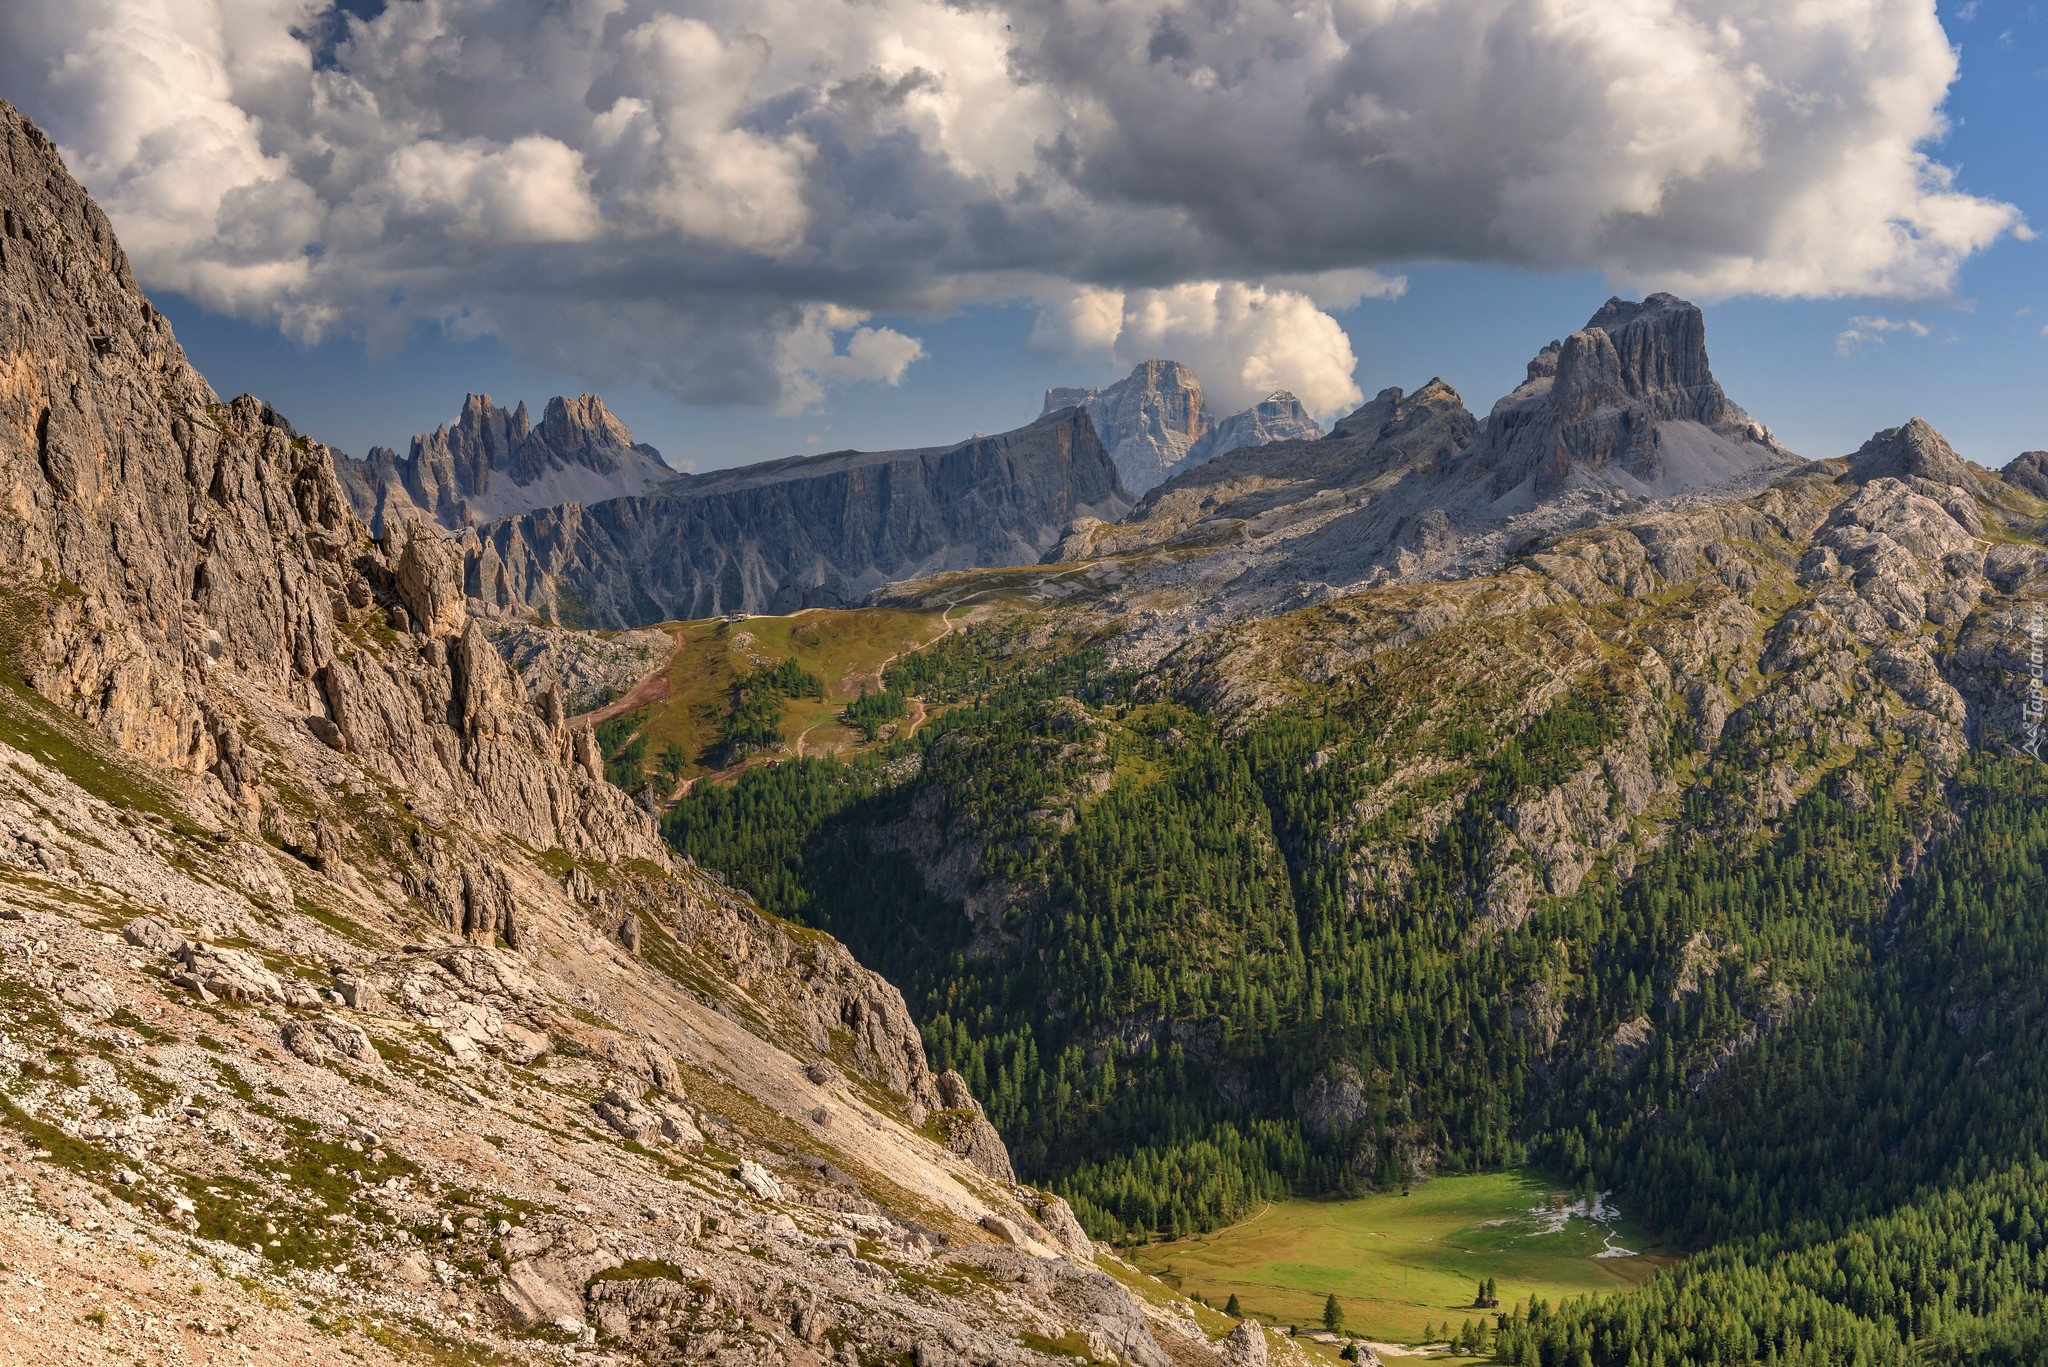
pixel 1975 364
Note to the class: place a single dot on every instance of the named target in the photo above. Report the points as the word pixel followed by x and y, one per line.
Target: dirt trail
pixel 652 688
pixel 945 630
pixel 918 711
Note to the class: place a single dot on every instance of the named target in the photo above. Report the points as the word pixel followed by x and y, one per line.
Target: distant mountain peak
pixel 494 462
pixel 1628 402
pixel 1156 422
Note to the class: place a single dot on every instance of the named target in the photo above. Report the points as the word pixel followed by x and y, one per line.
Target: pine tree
pixel 1333 1314
pixel 1232 1308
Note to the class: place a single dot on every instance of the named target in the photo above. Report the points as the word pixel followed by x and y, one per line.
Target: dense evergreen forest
pixel 1187 969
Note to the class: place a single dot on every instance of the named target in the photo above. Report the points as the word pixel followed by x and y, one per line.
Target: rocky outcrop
pixel 809 531
pixel 647 1125
pixel 1912 451
pixel 1156 423
pixel 2028 471
pixel 493 463
pixel 964 1127
pixel 315 1041
pixel 1333 1102
pixel 1244 1346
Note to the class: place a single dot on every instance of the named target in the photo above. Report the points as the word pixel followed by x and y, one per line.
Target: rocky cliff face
pixel 166 550
pixel 1626 403
pixel 816 530
pixel 1155 422
pixel 1149 420
pixel 396 1019
pixel 493 463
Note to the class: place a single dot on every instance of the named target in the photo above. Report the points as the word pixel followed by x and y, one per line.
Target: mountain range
pixel 573 519
pixel 1592 788
pixel 1626 409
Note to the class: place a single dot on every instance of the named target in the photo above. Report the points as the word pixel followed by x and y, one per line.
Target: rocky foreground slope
pixel 345 1011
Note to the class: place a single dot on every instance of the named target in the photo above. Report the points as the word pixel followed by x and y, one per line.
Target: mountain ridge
pixel 805 531
pixel 1412 488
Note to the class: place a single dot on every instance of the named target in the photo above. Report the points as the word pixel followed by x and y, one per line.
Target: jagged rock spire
pixel 493 462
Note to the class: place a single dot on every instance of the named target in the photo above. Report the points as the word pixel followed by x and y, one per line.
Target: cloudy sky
pixel 766 226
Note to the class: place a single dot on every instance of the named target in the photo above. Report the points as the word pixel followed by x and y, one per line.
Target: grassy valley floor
pixel 1399 1263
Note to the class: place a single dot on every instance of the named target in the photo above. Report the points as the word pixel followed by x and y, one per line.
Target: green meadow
pixel 847 650
pixel 1397 1263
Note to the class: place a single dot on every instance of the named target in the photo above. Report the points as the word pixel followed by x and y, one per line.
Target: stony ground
pixel 234 1131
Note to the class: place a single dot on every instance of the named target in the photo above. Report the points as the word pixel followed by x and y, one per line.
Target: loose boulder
pixel 635 1120
pixel 759 1182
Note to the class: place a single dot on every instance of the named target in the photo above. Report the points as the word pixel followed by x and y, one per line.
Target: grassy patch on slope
pixel 1397 1263
pixel 847 650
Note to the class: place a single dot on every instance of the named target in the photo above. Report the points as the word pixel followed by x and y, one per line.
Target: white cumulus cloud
pixel 1244 340
pixel 716 196
pixel 812 354
pixel 1865 328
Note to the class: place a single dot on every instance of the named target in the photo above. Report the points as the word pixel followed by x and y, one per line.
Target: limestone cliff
pixel 1626 402
pixel 811 530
